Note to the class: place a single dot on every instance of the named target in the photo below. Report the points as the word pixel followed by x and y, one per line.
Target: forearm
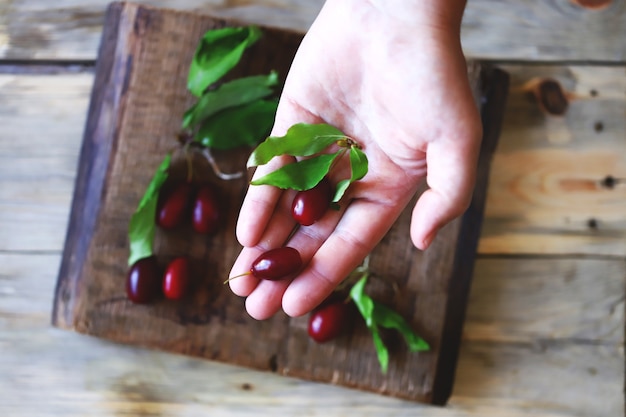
pixel 444 14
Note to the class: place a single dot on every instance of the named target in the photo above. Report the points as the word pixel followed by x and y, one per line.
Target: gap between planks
pixel 45 67
pixel 529 30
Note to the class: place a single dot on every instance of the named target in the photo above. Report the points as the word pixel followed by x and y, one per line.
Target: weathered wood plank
pixel 513 300
pixel 42 120
pixel 543 380
pixel 49 373
pixel 516 373
pixel 510 29
pixel 524 300
pixel 45 374
pixel 537 30
pixel 548 191
pixel 71 29
pixel 547 182
pixel 26 287
pixel 132 125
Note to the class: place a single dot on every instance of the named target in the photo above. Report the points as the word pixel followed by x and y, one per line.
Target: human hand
pixel 393 77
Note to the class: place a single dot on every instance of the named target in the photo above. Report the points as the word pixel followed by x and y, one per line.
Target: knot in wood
pixel 551 97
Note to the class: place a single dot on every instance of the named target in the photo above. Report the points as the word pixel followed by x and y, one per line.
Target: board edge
pixel 93 163
pixel 493 92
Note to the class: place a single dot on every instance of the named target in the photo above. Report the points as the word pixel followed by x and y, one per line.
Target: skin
pixel 392 76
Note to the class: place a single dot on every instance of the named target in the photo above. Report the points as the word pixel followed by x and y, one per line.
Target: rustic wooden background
pixel 545 326
pixel 132 124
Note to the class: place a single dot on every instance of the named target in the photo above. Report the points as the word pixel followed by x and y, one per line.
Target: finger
pixel 260 201
pixel 361 227
pixel 451 174
pixel 307 240
pixel 265 299
pixel 263 296
pixel 264 220
pixel 258 205
pixel 241 282
pixel 279 226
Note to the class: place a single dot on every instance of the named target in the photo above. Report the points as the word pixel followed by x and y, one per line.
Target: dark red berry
pixel 143 283
pixel 330 321
pixel 176 279
pixel 277 264
pixel 206 212
pixel 174 206
pixel 309 206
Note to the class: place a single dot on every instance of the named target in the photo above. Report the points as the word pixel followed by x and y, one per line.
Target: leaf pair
pixel 142 223
pixel 305 140
pixel 378 315
pixel 237 112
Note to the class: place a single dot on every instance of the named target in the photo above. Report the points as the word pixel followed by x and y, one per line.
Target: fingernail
pixel 428 240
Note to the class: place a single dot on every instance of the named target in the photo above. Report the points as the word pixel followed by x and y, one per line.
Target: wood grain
pixel 547 180
pixel 502 30
pixel 541 380
pixel 514 372
pixel 539 300
pixel 138 98
pixel 548 191
pixel 43 118
pixel 525 302
pixel 535 30
pixel 507 355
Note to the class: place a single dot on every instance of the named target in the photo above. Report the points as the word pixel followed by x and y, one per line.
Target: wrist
pixel 441 15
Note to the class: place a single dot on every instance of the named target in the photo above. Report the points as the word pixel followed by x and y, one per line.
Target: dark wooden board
pixel 137 102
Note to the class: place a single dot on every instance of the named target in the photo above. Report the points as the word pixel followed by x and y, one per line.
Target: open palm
pixel 401 91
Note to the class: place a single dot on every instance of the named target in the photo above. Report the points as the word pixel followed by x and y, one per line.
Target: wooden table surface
pixel 544 334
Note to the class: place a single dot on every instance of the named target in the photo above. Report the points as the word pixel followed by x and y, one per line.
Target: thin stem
pixel 236 276
pixel 216 169
pixel 189 160
pixel 358 273
pixel 337 159
pixel 365 265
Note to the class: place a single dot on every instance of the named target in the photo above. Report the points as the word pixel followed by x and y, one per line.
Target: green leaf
pixel 358 166
pixel 358 163
pixel 389 319
pixel 218 52
pixel 238 126
pixel 342 186
pixel 363 302
pixel 381 350
pixel 301 175
pixel 365 305
pixel 301 139
pixel 142 223
pixel 376 314
pixel 231 94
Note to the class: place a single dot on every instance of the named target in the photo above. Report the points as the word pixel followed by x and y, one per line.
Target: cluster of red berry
pixel 175 204
pixel 178 204
pixel 333 317
pixel 281 263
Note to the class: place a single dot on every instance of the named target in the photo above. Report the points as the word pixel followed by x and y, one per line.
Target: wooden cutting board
pixel 138 100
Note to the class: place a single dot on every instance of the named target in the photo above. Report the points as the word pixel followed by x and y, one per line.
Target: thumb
pixel 451 175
